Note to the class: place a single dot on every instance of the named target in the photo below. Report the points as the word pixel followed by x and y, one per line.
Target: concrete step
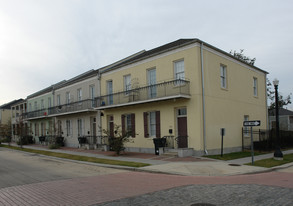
pixel 170 154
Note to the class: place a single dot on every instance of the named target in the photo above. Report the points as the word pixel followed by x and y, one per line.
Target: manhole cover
pixel 234 165
pixel 202 204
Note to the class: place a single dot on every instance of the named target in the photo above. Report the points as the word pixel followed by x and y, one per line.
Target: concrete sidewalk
pixel 191 166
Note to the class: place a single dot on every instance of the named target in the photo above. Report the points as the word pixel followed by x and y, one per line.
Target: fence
pixel 265 140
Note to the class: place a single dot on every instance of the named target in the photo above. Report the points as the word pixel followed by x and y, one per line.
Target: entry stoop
pixel 180 152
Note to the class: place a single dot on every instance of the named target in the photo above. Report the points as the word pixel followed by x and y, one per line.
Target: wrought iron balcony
pixel 74 107
pixel 35 114
pixel 157 92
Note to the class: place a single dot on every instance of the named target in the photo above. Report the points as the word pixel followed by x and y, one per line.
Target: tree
pixel 283 101
pixel 119 139
pixel 242 57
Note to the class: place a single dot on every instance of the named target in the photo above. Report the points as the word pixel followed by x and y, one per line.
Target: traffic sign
pixel 251 123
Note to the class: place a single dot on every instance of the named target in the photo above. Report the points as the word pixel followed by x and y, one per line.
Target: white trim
pixel 232 59
pixel 144 101
pixel 77 83
pixel 152 58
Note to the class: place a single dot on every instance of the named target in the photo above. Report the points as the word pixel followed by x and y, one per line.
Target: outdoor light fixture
pixel 278 155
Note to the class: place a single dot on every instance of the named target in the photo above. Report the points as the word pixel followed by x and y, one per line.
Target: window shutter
pixel 123 124
pixel 158 124
pixel 145 123
pixel 133 125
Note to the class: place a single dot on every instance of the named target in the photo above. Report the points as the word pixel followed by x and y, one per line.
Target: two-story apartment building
pixel 74 111
pixel 185 91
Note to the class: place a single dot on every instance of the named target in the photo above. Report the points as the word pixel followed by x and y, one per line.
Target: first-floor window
pixel 68 128
pixel 246 129
pixel 36 129
pixel 152 125
pixel 128 124
pixel 80 127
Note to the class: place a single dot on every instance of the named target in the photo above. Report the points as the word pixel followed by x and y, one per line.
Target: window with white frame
pixel 223 69
pixel 49 102
pixel 246 129
pixel 110 91
pixel 127 84
pixel 42 104
pixel 30 107
pixel 79 95
pixel 92 94
pixel 67 97
pixel 80 131
pixel 58 100
pixel 179 70
pixel 68 128
pixel 255 93
pixel 36 106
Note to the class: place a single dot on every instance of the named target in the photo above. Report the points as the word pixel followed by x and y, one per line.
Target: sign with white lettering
pixel 251 123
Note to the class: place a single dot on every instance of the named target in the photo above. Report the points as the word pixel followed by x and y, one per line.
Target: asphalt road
pixel 20 168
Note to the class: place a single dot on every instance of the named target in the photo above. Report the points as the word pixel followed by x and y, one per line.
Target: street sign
pixel 251 123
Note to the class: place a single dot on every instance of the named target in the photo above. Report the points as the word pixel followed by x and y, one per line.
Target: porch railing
pixel 163 90
pixel 72 107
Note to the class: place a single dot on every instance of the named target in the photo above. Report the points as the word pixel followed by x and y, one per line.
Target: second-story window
pixel 36 106
pixel 127 84
pixel 110 91
pixel 223 70
pixel 255 93
pixel 79 95
pixel 92 94
pixel 58 100
pixel 152 81
pixel 30 107
pixel 179 70
pixel 42 104
pixel 49 102
pixel 67 97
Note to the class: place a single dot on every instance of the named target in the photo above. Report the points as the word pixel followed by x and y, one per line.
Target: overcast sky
pixel 45 41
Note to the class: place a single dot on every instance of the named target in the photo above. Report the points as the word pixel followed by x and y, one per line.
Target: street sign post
pixel 251 123
pixel 222 144
pixel 254 123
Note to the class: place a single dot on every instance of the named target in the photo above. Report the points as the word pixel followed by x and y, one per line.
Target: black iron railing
pixel 161 90
pixel 72 107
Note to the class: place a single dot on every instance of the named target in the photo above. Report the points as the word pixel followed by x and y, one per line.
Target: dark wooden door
pixel 182 132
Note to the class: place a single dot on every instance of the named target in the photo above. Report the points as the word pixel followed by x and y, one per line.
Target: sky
pixel 43 42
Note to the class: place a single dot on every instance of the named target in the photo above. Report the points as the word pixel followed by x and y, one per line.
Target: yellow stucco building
pixel 185 91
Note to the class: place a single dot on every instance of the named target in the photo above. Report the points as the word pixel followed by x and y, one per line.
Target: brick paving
pixel 108 188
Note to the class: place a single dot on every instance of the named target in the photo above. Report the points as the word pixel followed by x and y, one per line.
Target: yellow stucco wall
pixel 225 108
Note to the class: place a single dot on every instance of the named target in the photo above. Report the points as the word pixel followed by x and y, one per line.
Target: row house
pixel 184 92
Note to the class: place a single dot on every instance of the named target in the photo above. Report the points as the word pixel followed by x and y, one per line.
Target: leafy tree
pixel 119 139
pixel 283 101
pixel 242 57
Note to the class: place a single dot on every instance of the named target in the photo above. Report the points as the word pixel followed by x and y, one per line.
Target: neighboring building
pixel 186 89
pixel 73 111
pixel 285 119
pixel 5 116
pixel 19 126
pixel 38 112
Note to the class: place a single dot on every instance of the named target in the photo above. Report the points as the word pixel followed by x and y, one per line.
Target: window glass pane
pixel 179 70
pixel 152 116
pixel 223 76
pixel 127 83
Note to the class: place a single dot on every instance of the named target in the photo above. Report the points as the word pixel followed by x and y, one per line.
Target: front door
pixel 182 128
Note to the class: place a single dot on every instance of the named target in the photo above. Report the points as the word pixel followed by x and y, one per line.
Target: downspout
pixel 267 109
pixel 99 117
pixel 203 101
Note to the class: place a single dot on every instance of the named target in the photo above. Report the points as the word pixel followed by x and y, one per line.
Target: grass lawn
pixel 79 158
pixel 271 162
pixel 234 155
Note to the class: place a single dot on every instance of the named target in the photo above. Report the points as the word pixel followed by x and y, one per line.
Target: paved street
pixel 19 168
pixel 49 181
